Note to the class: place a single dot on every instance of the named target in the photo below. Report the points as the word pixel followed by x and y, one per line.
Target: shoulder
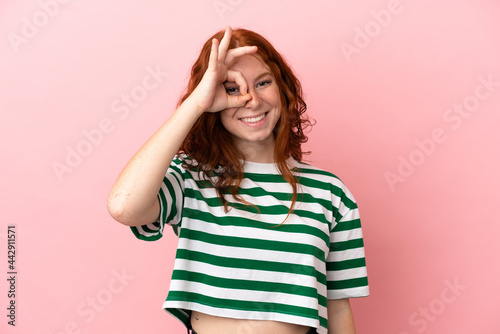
pixel 188 165
pixel 322 178
pixel 305 169
pixel 185 162
pixel 183 158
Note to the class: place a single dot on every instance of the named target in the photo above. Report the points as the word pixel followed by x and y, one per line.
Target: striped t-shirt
pixel 243 264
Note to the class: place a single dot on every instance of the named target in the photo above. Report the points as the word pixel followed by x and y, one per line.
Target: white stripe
pixel 349 214
pixel 265 218
pixel 144 233
pixel 258 234
pixel 244 295
pixel 271 187
pixel 362 291
pixel 244 274
pixel 349 254
pixel 236 314
pixel 340 236
pixel 169 201
pixel 340 275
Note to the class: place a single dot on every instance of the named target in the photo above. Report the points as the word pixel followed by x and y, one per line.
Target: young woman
pixel 267 243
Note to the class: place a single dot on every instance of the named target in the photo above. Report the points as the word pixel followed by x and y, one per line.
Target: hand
pixel 210 95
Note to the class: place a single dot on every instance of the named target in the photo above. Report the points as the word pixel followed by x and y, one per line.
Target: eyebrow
pixel 263 75
pixel 256 79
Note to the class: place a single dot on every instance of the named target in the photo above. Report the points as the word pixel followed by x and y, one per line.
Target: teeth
pixel 253 120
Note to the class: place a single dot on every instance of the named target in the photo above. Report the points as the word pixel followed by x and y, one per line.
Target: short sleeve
pixel 171 197
pixel 346 265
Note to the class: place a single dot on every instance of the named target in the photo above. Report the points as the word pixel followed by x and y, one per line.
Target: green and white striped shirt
pixel 242 265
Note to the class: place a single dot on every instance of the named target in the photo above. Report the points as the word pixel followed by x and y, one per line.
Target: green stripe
pixel 301 197
pixel 269 209
pixel 177 160
pixel 243 305
pixel 323 322
pixel 148 230
pixel 177 313
pixel 201 183
pixel 179 171
pixel 229 283
pixel 241 221
pixel 345 245
pixel 313 171
pixel 348 283
pixel 309 182
pixel 240 242
pixel 347 225
pixel 348 202
pixel 181 315
pixel 346 264
pixel 175 228
pixel 173 204
pixel 141 236
pixel 257 192
pixel 206 217
pixel 163 206
pixel 228 262
pixel 276 178
pixel 302 168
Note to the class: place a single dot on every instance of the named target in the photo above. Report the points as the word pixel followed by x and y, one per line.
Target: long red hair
pixel 210 144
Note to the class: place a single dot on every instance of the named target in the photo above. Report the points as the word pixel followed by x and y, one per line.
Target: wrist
pixel 191 107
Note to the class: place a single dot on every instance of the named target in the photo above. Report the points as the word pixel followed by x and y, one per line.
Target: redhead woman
pixel 268 244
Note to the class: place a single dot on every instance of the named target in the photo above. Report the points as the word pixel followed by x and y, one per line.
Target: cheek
pixel 226 116
pixel 227 113
pixel 274 96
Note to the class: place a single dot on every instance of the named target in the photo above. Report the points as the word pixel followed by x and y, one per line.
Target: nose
pixel 255 102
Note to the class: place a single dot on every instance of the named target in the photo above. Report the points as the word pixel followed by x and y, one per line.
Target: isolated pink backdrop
pixel 384 81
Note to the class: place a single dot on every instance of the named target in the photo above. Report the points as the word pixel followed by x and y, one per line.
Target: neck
pixel 258 152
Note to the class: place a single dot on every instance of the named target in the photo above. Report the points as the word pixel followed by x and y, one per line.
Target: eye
pixel 232 90
pixel 264 83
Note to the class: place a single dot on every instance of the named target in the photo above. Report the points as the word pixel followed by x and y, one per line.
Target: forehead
pixel 250 65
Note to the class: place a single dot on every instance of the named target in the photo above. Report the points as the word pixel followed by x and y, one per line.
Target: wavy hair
pixel 219 157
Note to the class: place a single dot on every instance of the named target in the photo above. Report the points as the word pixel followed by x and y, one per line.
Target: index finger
pixel 224 43
pixel 238 52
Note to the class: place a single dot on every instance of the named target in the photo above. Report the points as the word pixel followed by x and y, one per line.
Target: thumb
pixel 238 101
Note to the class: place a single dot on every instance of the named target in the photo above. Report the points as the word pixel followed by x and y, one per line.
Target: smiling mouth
pixel 254 119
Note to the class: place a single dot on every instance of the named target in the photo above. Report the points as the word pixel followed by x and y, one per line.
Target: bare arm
pixel 133 199
pixel 340 318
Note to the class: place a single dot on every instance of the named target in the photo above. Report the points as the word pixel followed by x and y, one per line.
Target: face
pixel 251 126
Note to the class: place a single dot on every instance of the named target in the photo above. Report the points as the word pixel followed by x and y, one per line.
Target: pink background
pixel 430 233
